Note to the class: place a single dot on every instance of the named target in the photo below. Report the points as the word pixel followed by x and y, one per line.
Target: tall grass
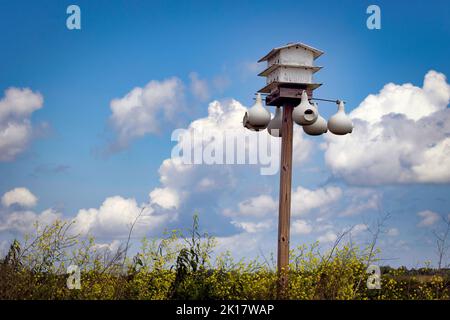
pixel 179 266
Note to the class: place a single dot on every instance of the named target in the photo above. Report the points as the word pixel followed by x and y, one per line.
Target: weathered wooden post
pixel 285 200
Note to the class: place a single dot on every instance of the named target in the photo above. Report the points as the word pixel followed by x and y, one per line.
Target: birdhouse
pixel 289 71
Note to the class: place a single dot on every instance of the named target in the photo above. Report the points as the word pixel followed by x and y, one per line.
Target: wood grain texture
pixel 285 200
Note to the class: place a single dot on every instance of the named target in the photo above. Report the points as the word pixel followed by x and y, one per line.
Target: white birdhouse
pixel 292 63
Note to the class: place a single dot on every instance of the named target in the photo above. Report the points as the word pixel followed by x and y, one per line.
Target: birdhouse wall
pixel 292 75
pixel 292 56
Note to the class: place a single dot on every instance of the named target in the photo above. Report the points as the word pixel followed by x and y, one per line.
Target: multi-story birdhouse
pixel 289 71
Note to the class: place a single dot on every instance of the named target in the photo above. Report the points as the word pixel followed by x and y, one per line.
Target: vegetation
pixel 181 266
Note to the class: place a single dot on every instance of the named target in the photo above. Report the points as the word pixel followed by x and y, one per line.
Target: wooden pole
pixel 285 201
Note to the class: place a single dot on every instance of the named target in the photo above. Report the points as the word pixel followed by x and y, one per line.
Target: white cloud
pixel 15 218
pixel 115 217
pixel 435 166
pixel 143 110
pixel 393 232
pixel 428 217
pixel 322 225
pixel 358 229
pixel 24 221
pixel 199 87
pixel 327 237
pixel 257 206
pixel 400 136
pixel 300 227
pixel 361 200
pixel 301 147
pixel 165 197
pixel 19 196
pixel 19 103
pixel 187 178
pixel 407 99
pixel 113 246
pixel 16 108
pixel 253 227
pixel 206 183
pixel 255 244
pixel 304 200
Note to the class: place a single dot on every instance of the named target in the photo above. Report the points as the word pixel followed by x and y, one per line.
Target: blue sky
pixel 122 45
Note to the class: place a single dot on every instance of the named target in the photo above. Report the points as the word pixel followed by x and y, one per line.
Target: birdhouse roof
pixel 275 66
pixel 316 52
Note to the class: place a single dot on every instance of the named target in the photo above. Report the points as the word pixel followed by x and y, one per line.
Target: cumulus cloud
pixel 255 244
pixel 19 196
pixel 24 221
pixel 16 130
pixel 327 237
pixel 361 200
pixel 112 219
pixel 165 197
pixel 110 247
pixel 428 218
pixel 359 228
pixel 144 109
pixel 258 206
pixel 19 103
pixel 115 217
pixel 16 216
pixel 301 147
pixel 401 135
pixel 322 224
pixel 253 227
pixel 300 227
pixel 304 200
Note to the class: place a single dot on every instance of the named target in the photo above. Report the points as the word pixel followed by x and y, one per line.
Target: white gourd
pixel 340 123
pixel 304 113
